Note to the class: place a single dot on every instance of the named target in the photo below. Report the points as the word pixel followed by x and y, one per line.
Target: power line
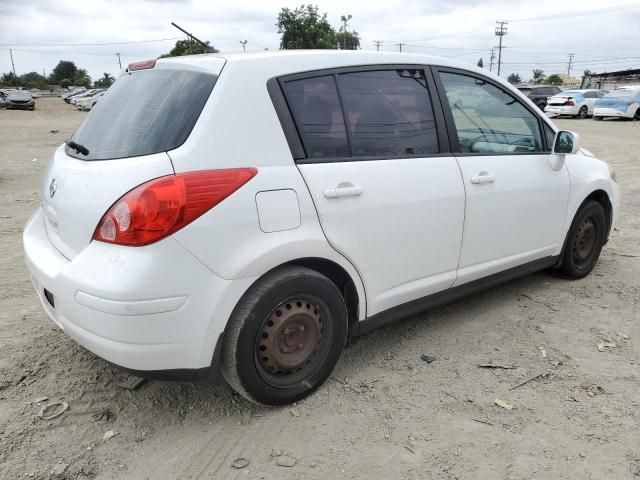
pixel 577 14
pixel 86 44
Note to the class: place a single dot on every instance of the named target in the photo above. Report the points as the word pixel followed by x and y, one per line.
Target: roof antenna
pixel 207 47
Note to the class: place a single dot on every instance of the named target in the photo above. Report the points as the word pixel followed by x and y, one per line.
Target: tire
pixel 583 113
pixel 637 115
pixel 542 106
pixel 584 241
pixel 284 337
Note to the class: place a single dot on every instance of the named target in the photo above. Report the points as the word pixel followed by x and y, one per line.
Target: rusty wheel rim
pixel 585 241
pixel 292 342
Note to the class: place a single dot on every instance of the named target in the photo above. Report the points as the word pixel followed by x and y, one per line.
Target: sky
pixel 603 36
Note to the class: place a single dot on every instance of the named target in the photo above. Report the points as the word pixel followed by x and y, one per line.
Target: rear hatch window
pixel 143 113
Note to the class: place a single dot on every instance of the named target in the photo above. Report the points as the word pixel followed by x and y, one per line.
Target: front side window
pixel 489 120
pixel 316 109
pixel 389 113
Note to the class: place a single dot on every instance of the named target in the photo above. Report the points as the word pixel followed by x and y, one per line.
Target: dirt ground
pixel 385 413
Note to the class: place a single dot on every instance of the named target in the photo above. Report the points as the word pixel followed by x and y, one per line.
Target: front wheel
pixel 637 115
pixel 584 241
pixel 285 336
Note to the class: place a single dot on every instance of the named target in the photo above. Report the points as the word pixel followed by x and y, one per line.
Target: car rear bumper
pixel 148 309
pixel 561 110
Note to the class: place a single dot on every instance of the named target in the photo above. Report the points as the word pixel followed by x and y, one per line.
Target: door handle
pixel 483 177
pixel 343 190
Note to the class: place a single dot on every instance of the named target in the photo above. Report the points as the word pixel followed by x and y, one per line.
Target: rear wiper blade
pixel 77 147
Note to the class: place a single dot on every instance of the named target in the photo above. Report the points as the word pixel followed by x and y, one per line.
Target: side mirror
pixel 566 142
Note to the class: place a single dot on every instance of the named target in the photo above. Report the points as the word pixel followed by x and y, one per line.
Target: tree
pixel 33 80
pixel 538 75
pixel 188 47
pixel 514 79
pixel 554 79
pixel 9 79
pixel 480 63
pixel 64 69
pixel 105 81
pixel 304 27
pixel 348 40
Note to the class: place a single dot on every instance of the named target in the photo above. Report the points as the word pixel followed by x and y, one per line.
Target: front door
pixel 387 199
pixel 516 203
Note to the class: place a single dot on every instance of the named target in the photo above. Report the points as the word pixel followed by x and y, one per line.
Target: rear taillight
pixel 570 103
pixel 156 209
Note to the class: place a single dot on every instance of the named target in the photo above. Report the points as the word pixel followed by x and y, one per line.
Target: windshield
pixel 145 112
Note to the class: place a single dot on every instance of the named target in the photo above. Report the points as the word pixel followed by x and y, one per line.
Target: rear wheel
pixel 584 241
pixel 637 115
pixel 285 336
pixel 583 113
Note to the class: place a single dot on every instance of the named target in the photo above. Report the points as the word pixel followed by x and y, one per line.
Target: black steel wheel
pixel 285 336
pixel 584 241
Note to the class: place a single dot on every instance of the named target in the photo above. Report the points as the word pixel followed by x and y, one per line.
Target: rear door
pixel 516 203
pixel 389 196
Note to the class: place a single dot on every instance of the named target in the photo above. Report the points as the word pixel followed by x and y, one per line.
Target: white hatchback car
pixel 251 211
pixel 575 103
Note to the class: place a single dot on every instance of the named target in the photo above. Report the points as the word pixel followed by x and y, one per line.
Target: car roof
pixel 292 61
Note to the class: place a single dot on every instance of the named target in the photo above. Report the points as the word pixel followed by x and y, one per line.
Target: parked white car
pixel 89 93
pixel 576 103
pixel 301 198
pixel 87 103
pixel 621 103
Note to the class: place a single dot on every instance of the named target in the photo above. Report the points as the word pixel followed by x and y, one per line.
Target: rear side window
pixel 389 113
pixel 145 112
pixel 372 113
pixel 316 109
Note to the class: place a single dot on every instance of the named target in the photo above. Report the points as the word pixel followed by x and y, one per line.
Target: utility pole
pixel 344 19
pixel 378 43
pixel 571 55
pixel 501 31
pixel 244 46
pixel 400 46
pixel 119 62
pixel 491 59
pixel 13 66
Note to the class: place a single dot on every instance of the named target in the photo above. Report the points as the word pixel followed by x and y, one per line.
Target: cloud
pixel 458 28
